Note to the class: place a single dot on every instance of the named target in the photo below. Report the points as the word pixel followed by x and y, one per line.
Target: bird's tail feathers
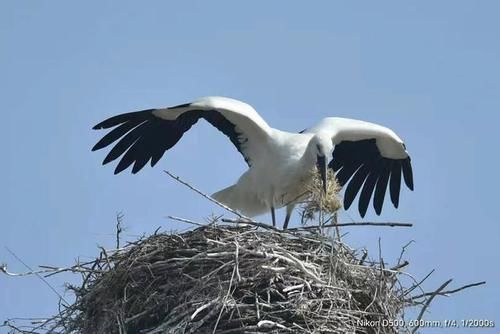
pixel 241 201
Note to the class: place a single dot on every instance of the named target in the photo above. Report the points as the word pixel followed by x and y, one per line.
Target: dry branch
pixel 208 197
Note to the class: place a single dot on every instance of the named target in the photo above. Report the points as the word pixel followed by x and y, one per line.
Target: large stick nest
pixel 233 279
pixel 238 278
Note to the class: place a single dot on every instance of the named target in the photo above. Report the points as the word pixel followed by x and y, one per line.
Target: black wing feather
pixel 407 173
pixel 355 184
pixel 125 143
pixel 395 184
pixel 142 150
pixel 141 136
pixel 360 165
pixel 122 118
pixel 378 197
pixel 116 133
pixel 227 128
pixel 366 192
pixel 346 173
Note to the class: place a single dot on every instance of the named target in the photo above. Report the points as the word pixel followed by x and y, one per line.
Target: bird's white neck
pixel 311 153
pixel 318 145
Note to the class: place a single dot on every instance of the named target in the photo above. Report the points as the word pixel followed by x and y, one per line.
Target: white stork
pixel 371 156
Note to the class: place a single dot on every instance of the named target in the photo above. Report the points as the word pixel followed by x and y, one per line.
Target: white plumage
pixel 371 157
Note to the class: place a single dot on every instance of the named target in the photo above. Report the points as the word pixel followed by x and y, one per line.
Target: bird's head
pixel 323 147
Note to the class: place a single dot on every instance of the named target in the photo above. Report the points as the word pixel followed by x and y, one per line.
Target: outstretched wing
pixel 145 135
pixel 369 158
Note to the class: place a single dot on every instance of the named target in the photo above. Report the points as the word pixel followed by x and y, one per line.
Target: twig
pixel 119 229
pixel 400 265
pixel 253 223
pixel 183 220
pixel 225 207
pixel 418 284
pixel 224 300
pixel 363 257
pixel 444 293
pixel 427 303
pixel 391 224
pixel 403 250
pixel 39 276
pixel 201 308
pixel 268 324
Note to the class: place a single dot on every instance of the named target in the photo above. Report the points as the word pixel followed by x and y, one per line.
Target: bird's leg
pixel 287 219
pixel 289 210
pixel 273 215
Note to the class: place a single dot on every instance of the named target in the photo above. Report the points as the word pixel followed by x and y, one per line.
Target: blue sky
pixel 429 70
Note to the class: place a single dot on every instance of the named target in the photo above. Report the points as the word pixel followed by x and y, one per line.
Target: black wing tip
pixel 378 211
pixel 407 173
pixel 363 213
pixel 409 184
pixel 120 168
pixel 138 166
pixel 106 124
pixel 99 145
pixel 362 209
pixel 123 118
pixel 347 204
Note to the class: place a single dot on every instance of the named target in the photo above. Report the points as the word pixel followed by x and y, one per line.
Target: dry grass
pixel 316 203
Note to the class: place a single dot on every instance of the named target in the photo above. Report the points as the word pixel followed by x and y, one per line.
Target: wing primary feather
pixel 122 118
pixel 340 156
pixel 143 137
pixel 156 156
pixel 128 140
pixel 157 137
pixel 407 173
pixel 116 133
pixel 336 164
pixel 380 189
pixel 354 186
pixel 346 173
pixel 395 183
pixel 164 137
pixel 142 151
pixel 139 164
pixel 366 192
pixel 126 160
